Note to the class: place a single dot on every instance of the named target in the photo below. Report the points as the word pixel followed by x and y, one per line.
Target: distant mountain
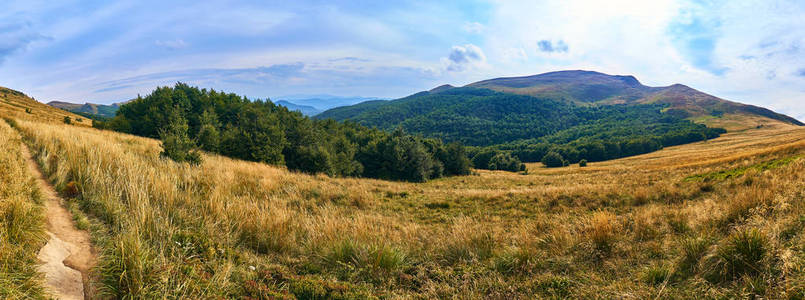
pixel 102 110
pixel 304 109
pixel 581 114
pixel 585 87
pixel 323 102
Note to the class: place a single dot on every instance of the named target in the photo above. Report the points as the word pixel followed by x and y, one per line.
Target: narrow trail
pixel 68 255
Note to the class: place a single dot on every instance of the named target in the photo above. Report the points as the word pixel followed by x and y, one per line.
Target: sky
pixel 109 51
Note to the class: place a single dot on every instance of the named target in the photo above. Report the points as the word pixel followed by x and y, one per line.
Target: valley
pixel 643 226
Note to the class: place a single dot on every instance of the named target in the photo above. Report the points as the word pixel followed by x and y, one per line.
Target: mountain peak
pixel 441 88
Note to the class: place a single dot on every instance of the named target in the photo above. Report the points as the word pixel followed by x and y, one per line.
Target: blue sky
pixel 107 51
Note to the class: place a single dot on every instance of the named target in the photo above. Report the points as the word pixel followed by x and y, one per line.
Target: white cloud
pixel 463 57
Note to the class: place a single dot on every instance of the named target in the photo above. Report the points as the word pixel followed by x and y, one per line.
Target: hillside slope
pixel 688 221
pixel 18 105
pixel 598 88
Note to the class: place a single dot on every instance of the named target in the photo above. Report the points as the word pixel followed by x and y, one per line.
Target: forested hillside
pixel 530 127
pixel 262 131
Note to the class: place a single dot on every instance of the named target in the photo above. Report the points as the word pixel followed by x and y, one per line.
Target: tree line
pixel 187 118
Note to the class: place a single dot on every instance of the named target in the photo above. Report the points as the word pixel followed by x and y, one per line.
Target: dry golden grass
pixel 14 104
pixel 21 222
pixel 635 227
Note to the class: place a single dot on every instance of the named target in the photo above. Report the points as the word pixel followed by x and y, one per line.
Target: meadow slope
pixel 722 218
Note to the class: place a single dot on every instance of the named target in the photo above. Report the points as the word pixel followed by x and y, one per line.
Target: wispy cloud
pixel 461 57
pixel 171 44
pixel 15 37
pixel 749 51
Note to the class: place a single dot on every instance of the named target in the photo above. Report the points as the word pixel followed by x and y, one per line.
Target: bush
pixel 506 162
pixel 176 145
pixel 68 120
pixel 583 163
pixel 553 160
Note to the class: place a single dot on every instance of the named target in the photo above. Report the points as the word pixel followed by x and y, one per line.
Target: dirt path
pixel 68 256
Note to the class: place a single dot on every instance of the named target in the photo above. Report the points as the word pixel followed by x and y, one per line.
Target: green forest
pixel 187 118
pixel 529 127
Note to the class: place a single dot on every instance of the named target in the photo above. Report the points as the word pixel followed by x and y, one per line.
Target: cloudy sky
pixel 107 51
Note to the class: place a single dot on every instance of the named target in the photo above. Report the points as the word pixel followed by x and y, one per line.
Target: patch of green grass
pixel 737 172
pixel 656 275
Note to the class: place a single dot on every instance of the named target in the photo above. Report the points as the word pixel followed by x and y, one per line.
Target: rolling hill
pixel 304 109
pixel 721 219
pixel 588 87
pixel 106 111
pixel 17 104
pixel 574 113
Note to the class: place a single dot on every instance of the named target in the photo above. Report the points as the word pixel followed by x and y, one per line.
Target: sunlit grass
pixel 626 228
pixel 21 221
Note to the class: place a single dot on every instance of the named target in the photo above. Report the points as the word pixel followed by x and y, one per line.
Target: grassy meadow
pixel 21 221
pixel 716 219
pixel 15 104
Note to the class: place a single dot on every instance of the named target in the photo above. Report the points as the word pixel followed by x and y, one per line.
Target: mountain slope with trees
pixel 579 115
pixel 530 127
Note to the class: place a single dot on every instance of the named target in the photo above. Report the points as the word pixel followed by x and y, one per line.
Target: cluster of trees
pixel 530 127
pixel 610 143
pixel 496 160
pixel 188 118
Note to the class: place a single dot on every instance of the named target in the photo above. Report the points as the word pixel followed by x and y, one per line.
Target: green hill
pixel 579 114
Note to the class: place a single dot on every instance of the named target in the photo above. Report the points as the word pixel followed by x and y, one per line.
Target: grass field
pixel 21 222
pixel 665 224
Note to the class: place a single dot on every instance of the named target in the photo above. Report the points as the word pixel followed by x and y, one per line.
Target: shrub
pixel 208 138
pixel 68 120
pixel 583 163
pixel 176 145
pixel 553 160
pixel 506 162
pixel 28 110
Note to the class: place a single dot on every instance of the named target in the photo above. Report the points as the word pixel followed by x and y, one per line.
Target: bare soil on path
pixel 68 257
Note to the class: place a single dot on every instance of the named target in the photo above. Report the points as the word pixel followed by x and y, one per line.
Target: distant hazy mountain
pixel 102 110
pixel 304 109
pixel 323 102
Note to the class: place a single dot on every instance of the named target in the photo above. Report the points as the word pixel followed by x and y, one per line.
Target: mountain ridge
pixel 591 87
pixel 103 110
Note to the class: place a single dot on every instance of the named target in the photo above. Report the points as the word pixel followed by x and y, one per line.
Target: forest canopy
pixel 529 127
pixel 261 131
